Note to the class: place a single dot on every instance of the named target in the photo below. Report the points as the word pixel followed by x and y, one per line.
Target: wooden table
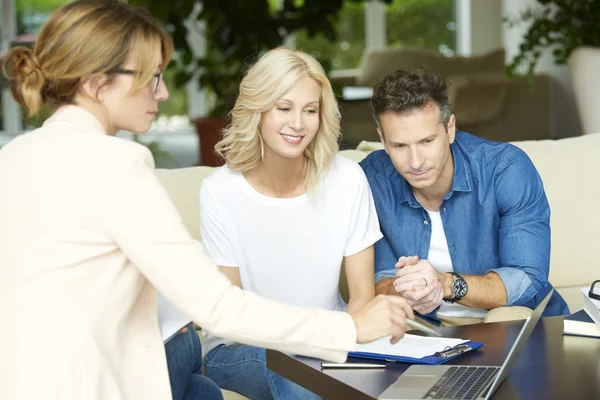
pixel 551 366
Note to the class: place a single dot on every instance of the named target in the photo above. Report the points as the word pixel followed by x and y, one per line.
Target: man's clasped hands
pixel 419 283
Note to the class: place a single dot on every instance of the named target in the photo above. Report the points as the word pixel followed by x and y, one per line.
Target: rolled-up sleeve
pixel 524 232
pixel 385 260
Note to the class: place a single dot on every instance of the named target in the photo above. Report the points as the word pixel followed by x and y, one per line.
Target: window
pixel 424 23
pixel 31 15
pixel 350 44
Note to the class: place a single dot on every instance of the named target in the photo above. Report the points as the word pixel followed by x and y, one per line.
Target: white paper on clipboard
pixel 170 319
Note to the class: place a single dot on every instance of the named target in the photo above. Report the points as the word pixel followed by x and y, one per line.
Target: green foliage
pixel 178 100
pixel 345 50
pixel 34 11
pixel 561 25
pixel 39 5
pixel 237 33
pixel 424 23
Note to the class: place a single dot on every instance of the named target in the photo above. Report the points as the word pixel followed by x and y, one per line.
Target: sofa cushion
pixel 354 155
pixel 183 185
pixel 377 63
pixel 570 169
pixel 572 295
pixel 479 98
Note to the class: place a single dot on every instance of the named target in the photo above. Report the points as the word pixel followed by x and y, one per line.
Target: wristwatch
pixel 459 288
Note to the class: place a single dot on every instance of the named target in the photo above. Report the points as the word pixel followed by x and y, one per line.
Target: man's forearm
pixel 486 291
pixel 386 286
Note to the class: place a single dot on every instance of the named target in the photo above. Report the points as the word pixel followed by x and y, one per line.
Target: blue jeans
pixel 243 369
pixel 184 359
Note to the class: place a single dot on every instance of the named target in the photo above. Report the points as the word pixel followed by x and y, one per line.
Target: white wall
pixel 479 26
pixel 486 25
pixel 375 25
pixel 11 113
pixel 565 120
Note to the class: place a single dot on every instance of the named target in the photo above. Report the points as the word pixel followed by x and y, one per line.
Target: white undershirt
pixel 439 257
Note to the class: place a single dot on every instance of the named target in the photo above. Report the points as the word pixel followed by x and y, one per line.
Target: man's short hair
pixel 404 91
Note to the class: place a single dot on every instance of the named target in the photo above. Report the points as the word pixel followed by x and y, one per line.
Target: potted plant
pixel 237 33
pixel 571 29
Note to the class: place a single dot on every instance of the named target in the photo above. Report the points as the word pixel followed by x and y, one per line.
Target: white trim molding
pixel 11 112
pixel 375 25
pixel 464 46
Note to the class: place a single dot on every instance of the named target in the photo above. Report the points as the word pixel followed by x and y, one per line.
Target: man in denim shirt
pixel 465 220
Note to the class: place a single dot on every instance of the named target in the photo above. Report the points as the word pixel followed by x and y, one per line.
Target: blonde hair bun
pixel 26 79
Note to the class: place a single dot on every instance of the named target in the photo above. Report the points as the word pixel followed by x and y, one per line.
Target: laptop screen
pixel 516 348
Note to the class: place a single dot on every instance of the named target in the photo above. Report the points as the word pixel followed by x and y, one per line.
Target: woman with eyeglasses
pixel 87 232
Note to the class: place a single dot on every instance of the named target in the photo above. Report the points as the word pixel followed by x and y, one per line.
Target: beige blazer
pixel 86 233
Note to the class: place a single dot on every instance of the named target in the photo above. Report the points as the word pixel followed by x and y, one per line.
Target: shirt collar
pixel 461 181
pixel 78 116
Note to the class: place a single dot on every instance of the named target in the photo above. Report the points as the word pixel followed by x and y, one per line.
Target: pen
pixel 420 327
pixel 352 365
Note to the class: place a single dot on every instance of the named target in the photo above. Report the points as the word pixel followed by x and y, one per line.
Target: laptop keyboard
pixel 462 383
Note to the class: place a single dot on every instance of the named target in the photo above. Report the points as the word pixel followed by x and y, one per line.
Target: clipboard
pixel 440 357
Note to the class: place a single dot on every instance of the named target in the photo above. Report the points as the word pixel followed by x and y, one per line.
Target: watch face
pixel 460 287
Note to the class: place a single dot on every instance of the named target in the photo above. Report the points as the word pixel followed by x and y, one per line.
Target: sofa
pixel 485 101
pixel 570 170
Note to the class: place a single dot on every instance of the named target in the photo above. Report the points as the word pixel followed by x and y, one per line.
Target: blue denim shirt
pixel 496 218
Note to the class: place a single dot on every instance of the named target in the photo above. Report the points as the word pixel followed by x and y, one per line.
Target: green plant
pixel 561 25
pixel 162 158
pixel 237 32
pixel 409 22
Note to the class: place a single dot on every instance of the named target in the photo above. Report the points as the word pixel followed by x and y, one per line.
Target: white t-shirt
pixel 439 257
pixel 289 249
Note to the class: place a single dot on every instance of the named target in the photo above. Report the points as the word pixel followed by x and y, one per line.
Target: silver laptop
pixel 451 382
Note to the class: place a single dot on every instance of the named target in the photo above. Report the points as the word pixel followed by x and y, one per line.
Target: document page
pixel 170 319
pixel 592 306
pixel 412 346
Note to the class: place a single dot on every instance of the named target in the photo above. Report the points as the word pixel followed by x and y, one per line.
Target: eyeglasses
pixel 132 72
pixel 591 293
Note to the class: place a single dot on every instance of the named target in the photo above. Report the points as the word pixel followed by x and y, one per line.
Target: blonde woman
pixel 285 211
pixel 87 232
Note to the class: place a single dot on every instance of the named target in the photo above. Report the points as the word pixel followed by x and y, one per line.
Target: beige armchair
pixel 485 101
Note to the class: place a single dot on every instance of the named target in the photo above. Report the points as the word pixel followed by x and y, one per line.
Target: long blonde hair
pixel 85 38
pixel 268 80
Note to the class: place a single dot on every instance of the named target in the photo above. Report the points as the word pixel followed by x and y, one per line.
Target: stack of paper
pixel 580 324
pixel 412 346
pixel 170 319
pixel 591 306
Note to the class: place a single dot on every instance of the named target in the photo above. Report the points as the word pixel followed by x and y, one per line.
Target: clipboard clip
pixel 450 352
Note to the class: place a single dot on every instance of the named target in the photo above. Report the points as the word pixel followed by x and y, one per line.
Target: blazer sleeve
pixel 145 225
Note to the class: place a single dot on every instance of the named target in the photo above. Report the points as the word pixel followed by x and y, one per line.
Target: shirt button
pixel 426 222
